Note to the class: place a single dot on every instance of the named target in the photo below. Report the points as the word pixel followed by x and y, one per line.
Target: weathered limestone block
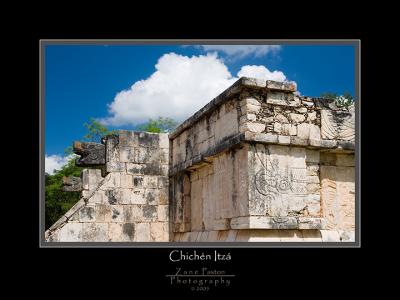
pixel 95 232
pixel 87 214
pixel 114 166
pixel 281 86
pixel 128 231
pixel 103 213
pixel 142 232
pixel 290 235
pixel 72 184
pixel 127 154
pixel 159 232
pixel 163 213
pixel 111 181
pixel 330 236
pixel 297 118
pixel 338 197
pixel 282 98
pixel 252 127
pixel 71 232
pixel 92 154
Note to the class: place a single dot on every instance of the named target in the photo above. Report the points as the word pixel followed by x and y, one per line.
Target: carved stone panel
pixel 279 185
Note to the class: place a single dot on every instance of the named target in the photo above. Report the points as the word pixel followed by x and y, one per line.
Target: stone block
pixel 252 127
pixel 330 236
pixel 323 143
pixel 124 196
pixel 221 224
pixel 149 213
pixel 118 214
pixel 303 131
pixel 310 223
pixel 312 179
pixel 115 232
pixel 277 127
pixel 138 196
pixel 281 86
pixel 271 235
pixel 135 169
pixel 266 138
pixel 252 109
pixel 142 232
pixel 129 232
pixel 102 213
pixel 313 187
pixel 152 196
pixel 293 130
pixel 164 141
pixel 286 129
pixel 98 198
pixel 297 118
pixel 163 196
pixel 297 141
pixel 163 213
pixel 312 236
pixel 345 160
pixel 115 166
pixel 71 232
pixel 112 181
pixel 281 119
pixel 126 181
pixel 301 110
pixel 312 156
pixel 311 116
pixel 315 132
pixel 251 117
pixel 284 140
pixel 281 98
pixel 87 214
pixel 150 181
pixel 127 138
pixel 95 232
pixel 252 101
pixel 347 236
pixel 127 154
pixel 159 232
pixel 231 236
pixel 313 170
pixel 290 235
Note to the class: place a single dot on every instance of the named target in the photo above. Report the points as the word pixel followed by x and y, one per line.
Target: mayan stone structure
pixel 257 163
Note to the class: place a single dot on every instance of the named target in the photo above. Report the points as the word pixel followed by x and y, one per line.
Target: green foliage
pixel 344 100
pixel 158 125
pixel 95 131
pixel 58 202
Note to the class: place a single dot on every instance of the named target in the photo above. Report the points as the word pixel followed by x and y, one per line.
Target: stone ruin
pixel 257 163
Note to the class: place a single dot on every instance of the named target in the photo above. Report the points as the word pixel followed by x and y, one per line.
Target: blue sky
pixel 85 81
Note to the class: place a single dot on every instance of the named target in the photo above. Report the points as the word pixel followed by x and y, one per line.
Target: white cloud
pixel 261 72
pixel 240 51
pixel 55 162
pixel 179 87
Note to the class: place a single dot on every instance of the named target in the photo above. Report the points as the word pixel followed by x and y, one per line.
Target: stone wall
pixel 128 204
pixel 260 163
pixel 257 163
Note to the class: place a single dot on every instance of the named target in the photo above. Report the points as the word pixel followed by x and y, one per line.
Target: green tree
pixel 58 202
pixel 158 125
pixel 95 131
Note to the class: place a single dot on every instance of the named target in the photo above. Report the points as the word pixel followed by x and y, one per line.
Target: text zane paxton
pixel 179 255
